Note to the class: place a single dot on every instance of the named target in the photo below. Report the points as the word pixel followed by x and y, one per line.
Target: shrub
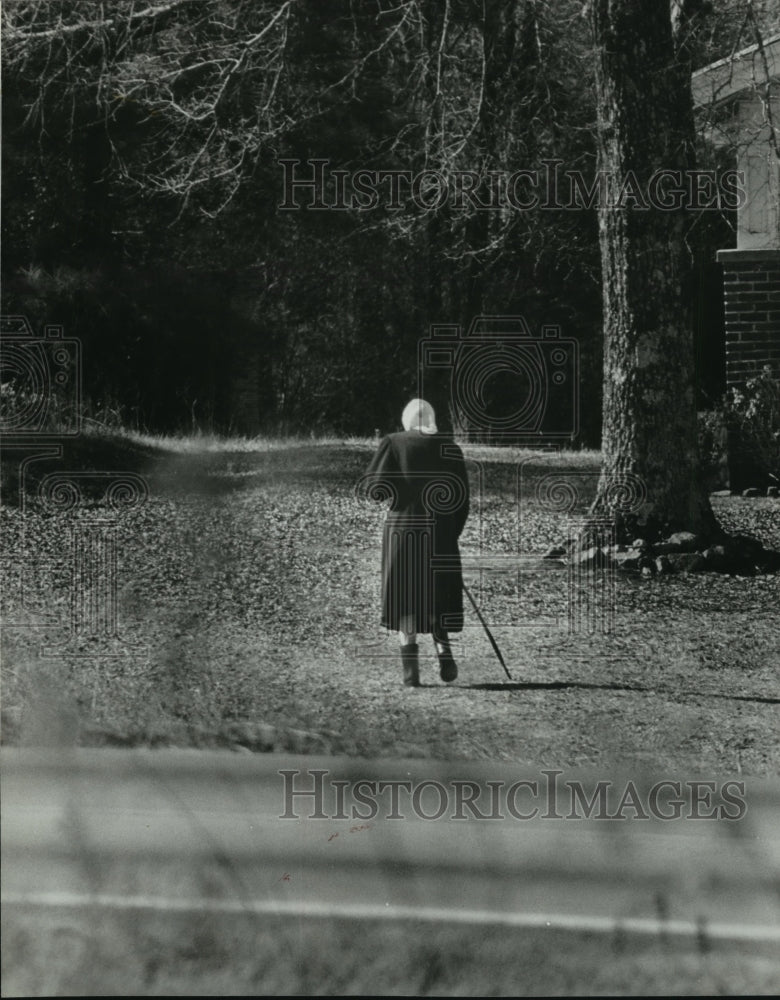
pixel 713 448
pixel 753 414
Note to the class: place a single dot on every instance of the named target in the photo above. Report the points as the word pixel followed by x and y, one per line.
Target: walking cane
pixel 489 634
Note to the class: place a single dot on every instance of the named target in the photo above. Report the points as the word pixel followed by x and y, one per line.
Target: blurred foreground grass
pixel 141 953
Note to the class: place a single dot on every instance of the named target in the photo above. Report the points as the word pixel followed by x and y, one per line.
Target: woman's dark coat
pixel 424 475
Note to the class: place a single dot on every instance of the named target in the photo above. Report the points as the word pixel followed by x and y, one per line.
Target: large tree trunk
pixel 650 481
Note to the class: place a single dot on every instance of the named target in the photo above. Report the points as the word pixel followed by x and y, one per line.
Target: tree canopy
pixel 142 153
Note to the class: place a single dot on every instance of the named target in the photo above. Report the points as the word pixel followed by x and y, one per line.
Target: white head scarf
pixel 419 416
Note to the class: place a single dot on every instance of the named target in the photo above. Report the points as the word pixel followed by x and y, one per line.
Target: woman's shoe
pixel 410 661
pixel 448 668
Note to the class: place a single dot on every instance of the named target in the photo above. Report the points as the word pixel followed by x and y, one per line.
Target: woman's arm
pixel 380 481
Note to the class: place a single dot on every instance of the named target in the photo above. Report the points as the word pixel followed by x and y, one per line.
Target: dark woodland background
pixel 142 184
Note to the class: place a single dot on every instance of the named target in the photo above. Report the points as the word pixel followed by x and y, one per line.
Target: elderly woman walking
pixel 423 473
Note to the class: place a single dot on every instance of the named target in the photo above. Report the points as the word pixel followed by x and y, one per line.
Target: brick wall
pixel 751 287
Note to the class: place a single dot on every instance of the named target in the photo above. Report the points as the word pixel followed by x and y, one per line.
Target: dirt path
pixel 247 591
